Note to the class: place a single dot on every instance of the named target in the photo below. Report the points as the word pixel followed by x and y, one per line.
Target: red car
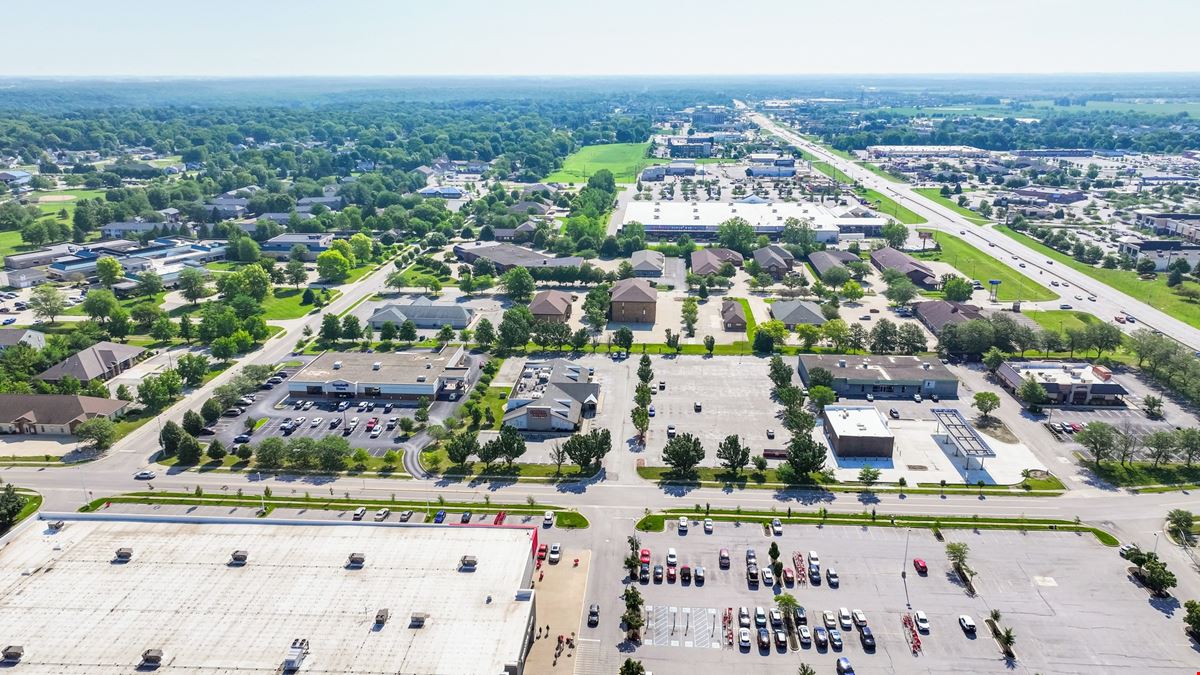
pixel 671 574
pixel 645 555
pixel 499 518
pixel 372 422
pixel 542 551
pixel 1077 427
pixel 920 566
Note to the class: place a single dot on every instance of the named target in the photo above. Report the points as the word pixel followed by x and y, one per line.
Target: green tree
pixel 957 553
pixel 985 402
pixel 895 234
pixel 189 451
pixel 99 432
pixel 46 302
pixel 193 285
pixel 737 234
pixel 11 505
pixel 295 272
pixel 1181 521
pixel 163 329
pixel 641 422
pixel 485 334
pixel 821 396
pixel 1033 394
pixel 901 291
pixel 631 667
pixel 1191 618
pixel 100 304
pixel 332 266
pixel 149 284
pixel 868 476
pixel 216 450
pixel 211 410
pixel 623 338
pixel 193 423
pixel 710 343
pixel 109 271
pixel 734 455
pixel 461 447
pixel 1157 577
pixel 683 453
pixel 518 284
pixel 1100 438
pixel 446 334
pixel 270 453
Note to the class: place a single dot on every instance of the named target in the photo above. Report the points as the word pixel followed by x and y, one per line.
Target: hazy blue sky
pixel 572 37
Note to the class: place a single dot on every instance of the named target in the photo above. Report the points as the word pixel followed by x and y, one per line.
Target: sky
pixel 247 38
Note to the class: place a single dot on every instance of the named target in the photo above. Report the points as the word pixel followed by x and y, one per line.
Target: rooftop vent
pixel 468 562
pixel 381 616
pixel 152 658
pixel 841 363
pixel 238 558
pixel 357 560
pixel 295 655
pixel 337 365
pixel 377 365
pixel 418 619
pixel 13 653
pixel 124 554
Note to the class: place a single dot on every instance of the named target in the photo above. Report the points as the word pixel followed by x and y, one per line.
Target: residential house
pixel 101 361
pixel 522 232
pixel 775 260
pixel 14 336
pixel 888 258
pixel 528 208
pixel 647 263
pixel 306 204
pixel 733 315
pixel 550 305
pixel 706 261
pixel 823 261
pixel 937 314
pixel 793 313
pixel 633 301
pixel 424 313
pixel 55 414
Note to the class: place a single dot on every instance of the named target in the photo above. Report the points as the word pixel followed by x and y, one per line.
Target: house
pixel 633 301
pixel 404 377
pixel 507 256
pixel 14 336
pixel 527 208
pixel 553 306
pixel 424 313
pixel 101 361
pixel 882 376
pixel 522 232
pixel 169 215
pixel 56 414
pixel 314 244
pixel 1065 383
pixel 888 258
pixel 13 177
pixel 793 313
pixel 441 192
pixel 775 259
pixel 708 261
pixel 552 395
pixel 733 315
pixel 823 261
pixel 306 203
pixel 653 174
pixel 647 263
pixel 937 314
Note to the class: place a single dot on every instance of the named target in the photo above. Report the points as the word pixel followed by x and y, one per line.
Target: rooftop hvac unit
pixel 238 558
pixel 57 525
pixel 418 619
pixel 152 658
pixel 124 554
pixel 337 365
pixel 295 655
pixel 376 366
pixel 381 616
pixel 468 562
pixel 357 560
pixel 13 653
pixel 841 363
pixel 926 366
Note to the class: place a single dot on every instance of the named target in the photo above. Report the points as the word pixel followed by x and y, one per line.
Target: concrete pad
pixel 559 590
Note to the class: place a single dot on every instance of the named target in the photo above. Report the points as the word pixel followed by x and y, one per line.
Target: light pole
pixel 904 568
pixel 1155 551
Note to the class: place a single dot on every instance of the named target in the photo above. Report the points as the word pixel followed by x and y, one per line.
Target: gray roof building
pixel 795 312
pixel 888 258
pixel 823 261
pixel 10 337
pixel 102 361
pixel 647 263
pixel 406 376
pixel 775 259
pixel 937 314
pixel 507 256
pixel 551 395
pixel 52 413
pixel 882 376
pixel 733 315
pixel 424 313
pixel 707 261
pixel 551 305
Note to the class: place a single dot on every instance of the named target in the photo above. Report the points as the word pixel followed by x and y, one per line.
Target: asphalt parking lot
pixel 1065 595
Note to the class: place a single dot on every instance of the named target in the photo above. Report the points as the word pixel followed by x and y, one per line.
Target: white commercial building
pixel 700 220
pixel 183 595
pixel 406 377
pixel 893 151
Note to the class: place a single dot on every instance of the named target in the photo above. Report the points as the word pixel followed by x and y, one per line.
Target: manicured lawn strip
pixel 1145 473
pixel 495 399
pixel 436 458
pixel 32 504
pixel 225 265
pixel 286 303
pixel 236 465
pixel 359 272
pixel 875 169
pixel 751 324
pixel 656 522
pixel 889 206
pixel 770 480
pixel 976 264
pixel 132 421
pixel 833 172
pixel 1060 320
pixel 624 160
pixel 935 194
pixel 1155 292
pixel 127 303
pixel 571 520
pixel 11 242
pixel 1167 488
pixel 327 503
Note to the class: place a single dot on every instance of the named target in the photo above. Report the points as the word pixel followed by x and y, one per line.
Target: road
pixel 1109 301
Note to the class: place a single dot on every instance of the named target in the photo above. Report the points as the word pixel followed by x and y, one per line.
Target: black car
pixel 764 638
pixel 466 517
pixel 335 422
pixel 207 431
pixel 799 616
pixel 658 574
pixel 243 438
pixel 814 574
pixel 593 615
pixel 644 573
pixel 867 638
pixel 895 414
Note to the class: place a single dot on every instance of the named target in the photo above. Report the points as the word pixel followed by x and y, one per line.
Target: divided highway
pixel 1109 301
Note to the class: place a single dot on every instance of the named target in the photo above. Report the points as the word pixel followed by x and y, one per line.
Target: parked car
pixel 764 638
pixel 708 525
pixel 917 398
pixel 722 559
pixel 835 639
pixel 145 474
pixel 920 566
pixel 894 414
pixel 699 575
pixel 242 438
pixel 780 638
pixel 644 557
pixel 683 524
pixel 359 513
pixel 858 617
pixel 672 557
pixel 922 621
pixel 789 577
pixel 799 616
pixel 821 636
pixel 744 638
pixel 804 634
pixel 760 616
pixel 844 617
pixel 867 638
pixel 542 550
pixel 768 577
pixel 593 615
pixel 743 617
pixel 548 520
pixel 555 552
pixel 776 527
pixel 776 617
pixel 832 577
pixel 829 619
pixel 658 574
pixel 967 623
pixel 465 518
pixel 440 516
pixel 843 664
pixel 670 575
pixel 685 574
pixel 405 515
pixel 670 431
pixel 382 514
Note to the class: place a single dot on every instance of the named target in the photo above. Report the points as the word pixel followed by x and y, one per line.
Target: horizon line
pixel 543 76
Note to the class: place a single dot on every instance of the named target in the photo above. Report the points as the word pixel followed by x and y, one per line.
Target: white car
pixel 708 525
pixel 776 527
pixel 829 619
pixel 805 635
pixel 145 474
pixel 743 617
pixel 555 552
pixel 382 514
pixel 548 519
pixel 768 577
pixel 858 617
pixel 316 422
pixel 672 557
pixel 844 617
pixel 922 622
pixel 683 523
pixel 376 431
pixel 299 422
pixel 744 638
pixel 967 623
pixel 813 559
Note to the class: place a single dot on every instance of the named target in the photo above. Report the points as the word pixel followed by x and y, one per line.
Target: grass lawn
pixel 751 324
pixel 374 465
pixel 495 399
pixel 359 272
pixel 624 160
pixel 1144 473
pixel 890 207
pixel 11 242
pixel 976 264
pixel 285 303
pixel 413 274
pixel 132 421
pixel 833 172
pixel 1061 320
pixel 225 265
pixel 881 173
pixel 1154 292
pixel 935 194
pixel 127 303
pixel 436 461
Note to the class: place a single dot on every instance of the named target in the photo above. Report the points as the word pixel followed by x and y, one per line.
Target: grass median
pixel 975 264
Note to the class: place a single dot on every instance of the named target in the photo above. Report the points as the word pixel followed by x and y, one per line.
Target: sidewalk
pixel 560 606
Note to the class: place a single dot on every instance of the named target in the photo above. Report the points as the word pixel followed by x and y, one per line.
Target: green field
pixel 889 206
pixel 976 264
pixel 11 242
pixel 50 208
pixel 935 195
pixel 1060 320
pixel 624 160
pixel 127 303
pixel 881 173
pixel 833 172
pixel 1153 292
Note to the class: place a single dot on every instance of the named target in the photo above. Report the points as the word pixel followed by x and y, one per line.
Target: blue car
pixel 9 321
pixel 440 516
pixel 651 411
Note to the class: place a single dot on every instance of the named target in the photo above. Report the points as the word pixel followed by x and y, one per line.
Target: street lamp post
pixel 1155 551
pixel 904 568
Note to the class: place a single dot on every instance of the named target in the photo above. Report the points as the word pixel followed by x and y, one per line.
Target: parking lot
pixel 1065 595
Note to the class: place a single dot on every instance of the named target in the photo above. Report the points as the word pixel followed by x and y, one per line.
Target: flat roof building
pixel 507 256
pixel 700 220
pixel 1065 383
pixel 882 376
pixel 552 395
pixel 424 313
pixel 405 376
pixel 857 431
pixel 413 605
pixel 925 151
pixel 313 243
